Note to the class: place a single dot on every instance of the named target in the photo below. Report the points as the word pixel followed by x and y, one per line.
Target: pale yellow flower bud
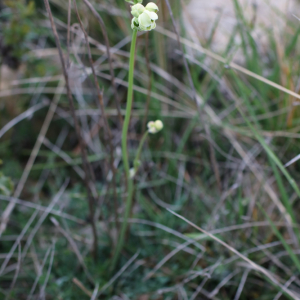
pixel 137 9
pixel 154 127
pixel 158 125
pixel 135 23
pixel 145 20
pixel 153 26
pixel 153 16
pixel 152 7
pixel 132 173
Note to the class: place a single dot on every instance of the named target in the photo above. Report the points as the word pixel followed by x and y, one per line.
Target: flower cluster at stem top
pixel 144 17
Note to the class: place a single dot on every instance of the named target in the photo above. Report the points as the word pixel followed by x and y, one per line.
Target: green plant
pixel 18 27
pixel 143 20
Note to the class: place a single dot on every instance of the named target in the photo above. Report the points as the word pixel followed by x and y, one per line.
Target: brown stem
pixel 87 170
pixel 111 69
pixel 100 99
pixel 68 33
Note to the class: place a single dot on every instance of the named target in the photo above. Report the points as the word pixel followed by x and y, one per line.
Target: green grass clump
pixel 220 163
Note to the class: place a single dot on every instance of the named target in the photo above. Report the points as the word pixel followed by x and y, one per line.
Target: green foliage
pixel 258 128
pixel 19 26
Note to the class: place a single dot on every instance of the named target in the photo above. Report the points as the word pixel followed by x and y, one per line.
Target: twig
pixel 104 116
pixel 16 273
pixel 166 258
pixel 89 176
pixel 34 230
pixel 201 285
pixel 44 215
pixel 157 96
pixel 111 69
pixel 42 290
pixel 82 287
pixel 287 284
pixel 252 264
pixel 166 229
pixel 74 248
pixel 225 280
pixel 43 208
pixel 241 285
pixel 95 292
pixel 22 116
pixel 10 207
pixel 69 32
pixel 224 61
pixel 40 272
pixel 64 156
pixel 17 242
pixel 122 270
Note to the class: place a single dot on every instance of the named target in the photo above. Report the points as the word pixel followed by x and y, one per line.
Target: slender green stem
pixel 136 162
pixel 125 152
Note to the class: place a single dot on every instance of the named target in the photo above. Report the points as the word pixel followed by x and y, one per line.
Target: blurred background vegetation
pixel 220 163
